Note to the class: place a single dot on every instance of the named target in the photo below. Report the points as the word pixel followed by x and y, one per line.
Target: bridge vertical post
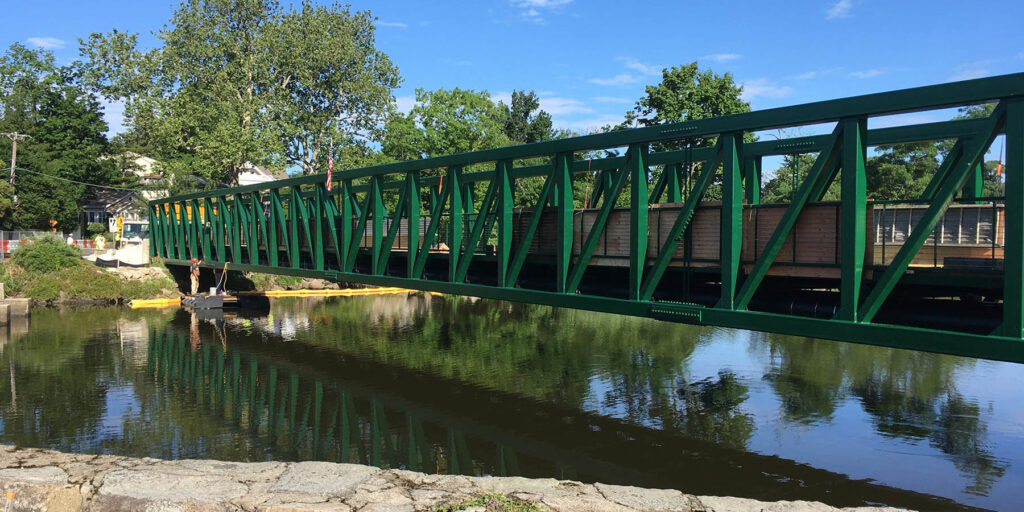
pixel 293 228
pixel 255 216
pixel 852 227
pixel 235 228
pixel 564 204
pixel 731 230
pixel 376 203
pixel 242 216
pixel 974 189
pixel 1013 236
pixel 347 215
pixel 752 179
pixel 455 217
pixel 274 221
pixel 412 194
pixel 672 184
pixel 636 166
pixel 218 230
pixel 208 235
pixel 505 202
pixel 179 234
pixel 156 237
pixel 319 195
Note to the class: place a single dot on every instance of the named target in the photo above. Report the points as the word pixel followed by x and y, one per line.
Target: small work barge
pixel 205 301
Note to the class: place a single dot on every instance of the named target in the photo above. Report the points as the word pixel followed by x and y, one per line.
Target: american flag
pixel 330 169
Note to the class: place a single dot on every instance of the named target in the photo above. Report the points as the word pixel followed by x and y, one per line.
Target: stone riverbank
pixel 33 479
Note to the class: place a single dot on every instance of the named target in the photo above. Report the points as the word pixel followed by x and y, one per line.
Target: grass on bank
pixel 494 503
pixel 50 269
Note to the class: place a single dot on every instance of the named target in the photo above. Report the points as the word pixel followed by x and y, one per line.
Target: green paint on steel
pixel 952 181
pixel 255 226
pixel 771 249
pixel 476 232
pixel 456 211
pixel 731 220
pixel 564 218
pixel 675 233
pixel 854 216
pixel 504 214
pixel 1013 244
pixel 752 179
pixel 636 166
pixel 596 231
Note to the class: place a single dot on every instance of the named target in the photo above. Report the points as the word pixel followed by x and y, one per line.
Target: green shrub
pixel 89 282
pixel 46 253
pixel 96 228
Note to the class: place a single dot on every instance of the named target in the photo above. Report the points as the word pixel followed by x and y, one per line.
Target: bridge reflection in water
pixel 453 391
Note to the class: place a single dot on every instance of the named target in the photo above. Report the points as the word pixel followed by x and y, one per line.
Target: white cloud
pixel 405 103
pixel 764 88
pixel 397 24
pixel 871 73
pixel 502 97
pixel 587 126
pixel 530 10
pixel 563 106
pixel 644 68
pixel 45 43
pixel 817 73
pixel 458 62
pixel 721 57
pixel 611 99
pixel 841 9
pixel 969 73
pixel 620 79
pixel 540 3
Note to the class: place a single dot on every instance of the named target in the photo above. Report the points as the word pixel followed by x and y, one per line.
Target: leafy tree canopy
pixel 68 140
pixel 247 81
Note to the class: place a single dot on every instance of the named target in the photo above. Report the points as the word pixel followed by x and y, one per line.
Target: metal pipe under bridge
pixel 943 272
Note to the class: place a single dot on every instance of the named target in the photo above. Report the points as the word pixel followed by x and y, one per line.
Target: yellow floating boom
pixel 351 292
pixel 155 303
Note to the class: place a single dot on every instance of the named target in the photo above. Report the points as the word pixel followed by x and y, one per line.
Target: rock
pixel 649 499
pixel 48 480
pixel 323 479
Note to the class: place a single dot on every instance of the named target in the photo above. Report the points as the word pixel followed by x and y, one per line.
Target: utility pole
pixel 15 137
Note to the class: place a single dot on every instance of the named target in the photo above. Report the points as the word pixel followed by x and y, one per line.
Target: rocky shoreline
pixel 35 479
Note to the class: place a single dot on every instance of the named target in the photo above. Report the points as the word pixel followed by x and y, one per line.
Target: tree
pixel 685 94
pixel 522 124
pixel 780 188
pixel 68 139
pixel 245 81
pixel 457 121
pixel 69 143
pixel 901 171
pixel 337 85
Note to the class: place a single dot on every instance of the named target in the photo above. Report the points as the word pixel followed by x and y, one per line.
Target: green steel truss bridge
pixel 943 272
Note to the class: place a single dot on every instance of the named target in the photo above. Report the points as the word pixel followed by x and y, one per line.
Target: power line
pixel 79 182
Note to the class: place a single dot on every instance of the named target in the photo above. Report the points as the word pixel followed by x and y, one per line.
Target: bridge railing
pixel 427 223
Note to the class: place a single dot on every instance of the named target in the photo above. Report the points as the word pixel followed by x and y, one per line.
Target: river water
pixel 455 385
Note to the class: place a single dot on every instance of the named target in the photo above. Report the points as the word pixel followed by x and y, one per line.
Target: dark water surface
pixel 453 385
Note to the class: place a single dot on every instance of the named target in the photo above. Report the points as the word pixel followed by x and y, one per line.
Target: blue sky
pixel 589 60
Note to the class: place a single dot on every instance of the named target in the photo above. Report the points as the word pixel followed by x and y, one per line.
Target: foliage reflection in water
pixel 453 385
